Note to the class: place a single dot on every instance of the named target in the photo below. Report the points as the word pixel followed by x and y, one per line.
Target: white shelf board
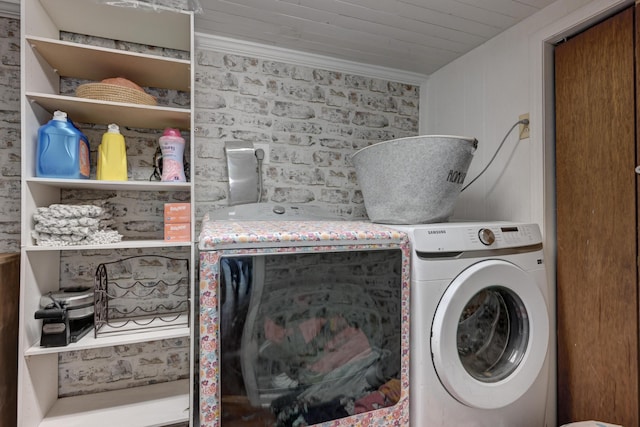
pixel 92 184
pixel 89 341
pixel 83 110
pixel 125 244
pixel 97 63
pixel 148 406
pixel 157 26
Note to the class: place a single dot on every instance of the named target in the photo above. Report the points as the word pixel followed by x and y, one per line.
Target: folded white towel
pixel 98 238
pixel 64 225
pixel 47 221
pixel 71 211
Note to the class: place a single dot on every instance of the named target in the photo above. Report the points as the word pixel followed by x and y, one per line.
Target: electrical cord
pixel 523 122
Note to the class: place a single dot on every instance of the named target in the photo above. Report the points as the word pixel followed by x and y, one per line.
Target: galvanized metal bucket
pixel 414 180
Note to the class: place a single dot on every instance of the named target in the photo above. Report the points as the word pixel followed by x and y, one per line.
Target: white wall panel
pixel 482 95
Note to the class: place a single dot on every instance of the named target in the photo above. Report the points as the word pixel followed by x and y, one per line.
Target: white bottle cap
pixel 113 128
pixel 60 116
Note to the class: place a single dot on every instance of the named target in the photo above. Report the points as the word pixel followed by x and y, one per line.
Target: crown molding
pixel 290 56
pixel 10 8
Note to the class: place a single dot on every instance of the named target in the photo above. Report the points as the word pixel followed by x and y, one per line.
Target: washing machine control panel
pixel 452 237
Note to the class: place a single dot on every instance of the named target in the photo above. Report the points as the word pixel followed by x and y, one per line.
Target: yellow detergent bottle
pixel 112 156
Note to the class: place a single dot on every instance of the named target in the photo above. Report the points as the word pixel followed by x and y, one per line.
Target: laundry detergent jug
pixel 62 150
pixel 112 156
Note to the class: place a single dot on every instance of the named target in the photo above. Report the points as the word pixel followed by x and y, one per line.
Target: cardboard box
pixel 180 232
pixel 177 213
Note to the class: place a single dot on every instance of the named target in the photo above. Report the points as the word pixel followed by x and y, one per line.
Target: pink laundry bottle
pixel 172 147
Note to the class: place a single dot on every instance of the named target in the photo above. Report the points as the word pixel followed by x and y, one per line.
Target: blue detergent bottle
pixel 62 150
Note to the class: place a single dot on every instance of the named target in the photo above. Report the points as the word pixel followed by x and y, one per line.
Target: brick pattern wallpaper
pixel 122 366
pixel 311 121
pixel 9 135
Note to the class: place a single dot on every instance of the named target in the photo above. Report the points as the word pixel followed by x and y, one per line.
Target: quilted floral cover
pixel 222 238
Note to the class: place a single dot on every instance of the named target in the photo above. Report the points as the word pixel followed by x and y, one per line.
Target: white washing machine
pixel 479 325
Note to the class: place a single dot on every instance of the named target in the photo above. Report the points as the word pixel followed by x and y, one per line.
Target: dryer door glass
pixel 493 332
pixel 306 338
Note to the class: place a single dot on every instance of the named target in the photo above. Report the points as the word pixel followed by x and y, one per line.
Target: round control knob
pixel 486 236
pixel 277 209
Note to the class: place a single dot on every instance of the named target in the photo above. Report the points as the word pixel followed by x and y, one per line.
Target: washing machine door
pixel 490 334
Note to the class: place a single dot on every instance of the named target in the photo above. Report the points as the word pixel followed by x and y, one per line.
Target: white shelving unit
pixel 159 405
pixel 45 60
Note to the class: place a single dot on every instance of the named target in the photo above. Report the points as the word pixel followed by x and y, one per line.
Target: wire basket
pixel 141 293
pixel 114 93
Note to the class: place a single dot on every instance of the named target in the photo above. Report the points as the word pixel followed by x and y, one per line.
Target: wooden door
pixel 9 315
pixel 596 225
